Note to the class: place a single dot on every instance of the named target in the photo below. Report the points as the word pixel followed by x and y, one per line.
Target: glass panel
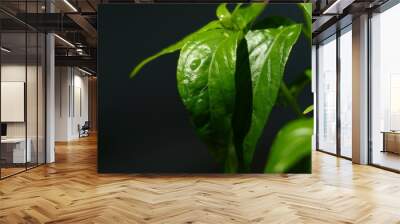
pixel 327 96
pixel 31 88
pixel 13 88
pixel 385 89
pixel 22 90
pixel 346 93
pixel 32 95
pixel 41 98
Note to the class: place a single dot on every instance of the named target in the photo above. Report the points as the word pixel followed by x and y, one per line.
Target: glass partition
pixel 327 95
pixel 14 154
pixel 41 97
pixel 22 101
pixel 31 100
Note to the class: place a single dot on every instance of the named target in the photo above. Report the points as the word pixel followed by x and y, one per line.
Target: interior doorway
pixel 75 102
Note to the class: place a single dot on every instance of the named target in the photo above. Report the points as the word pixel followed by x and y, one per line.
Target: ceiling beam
pixel 83 61
pixel 86 27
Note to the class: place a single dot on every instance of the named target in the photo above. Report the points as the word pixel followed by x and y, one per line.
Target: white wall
pixel 80 88
pixel 33 127
pixel 70 84
pixel 16 73
pixel 62 81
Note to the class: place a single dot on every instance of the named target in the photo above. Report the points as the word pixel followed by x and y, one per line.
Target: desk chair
pixel 84 130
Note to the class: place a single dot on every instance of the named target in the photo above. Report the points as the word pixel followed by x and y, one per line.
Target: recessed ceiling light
pixel 5 50
pixel 64 40
pixel 337 7
pixel 70 5
pixel 84 71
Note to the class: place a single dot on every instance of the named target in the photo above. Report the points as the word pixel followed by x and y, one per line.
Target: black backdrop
pixel 143 126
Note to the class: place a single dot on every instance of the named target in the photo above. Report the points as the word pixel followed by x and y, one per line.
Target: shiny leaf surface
pixel 268 52
pixel 291 145
pixel 224 16
pixel 244 15
pixel 307 15
pixel 206 84
pixel 308 109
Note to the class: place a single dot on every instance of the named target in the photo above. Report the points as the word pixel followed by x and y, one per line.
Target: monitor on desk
pixel 3 130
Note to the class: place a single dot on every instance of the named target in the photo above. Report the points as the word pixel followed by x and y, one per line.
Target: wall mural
pixel 230 75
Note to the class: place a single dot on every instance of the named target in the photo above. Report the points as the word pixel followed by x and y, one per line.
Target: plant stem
pixel 291 100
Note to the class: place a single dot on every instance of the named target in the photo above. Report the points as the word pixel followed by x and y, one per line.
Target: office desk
pixel 13 150
pixel 391 141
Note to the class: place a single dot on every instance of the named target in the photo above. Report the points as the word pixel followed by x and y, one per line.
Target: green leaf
pixel 300 83
pixel 244 15
pixel 307 72
pixel 268 53
pixel 175 47
pixel 291 145
pixel 307 15
pixel 308 109
pixel 206 84
pixel 289 94
pixel 289 98
pixel 224 16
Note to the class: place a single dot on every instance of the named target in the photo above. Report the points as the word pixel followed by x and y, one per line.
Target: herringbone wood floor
pixel 70 191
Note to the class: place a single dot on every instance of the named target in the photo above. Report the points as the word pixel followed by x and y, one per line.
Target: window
pixel 346 92
pixel 385 89
pixel 327 95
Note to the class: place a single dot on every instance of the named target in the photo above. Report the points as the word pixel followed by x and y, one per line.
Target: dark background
pixel 143 126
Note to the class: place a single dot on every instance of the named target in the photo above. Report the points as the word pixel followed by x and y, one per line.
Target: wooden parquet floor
pixel 71 191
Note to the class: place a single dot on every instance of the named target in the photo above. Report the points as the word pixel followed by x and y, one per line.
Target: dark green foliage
pixel 292 143
pixel 206 84
pixel 229 75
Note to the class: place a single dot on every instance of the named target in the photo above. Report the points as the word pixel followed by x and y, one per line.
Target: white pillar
pixel 50 93
pixel 50 98
pixel 360 90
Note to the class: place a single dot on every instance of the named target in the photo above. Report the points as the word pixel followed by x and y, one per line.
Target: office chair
pixel 84 130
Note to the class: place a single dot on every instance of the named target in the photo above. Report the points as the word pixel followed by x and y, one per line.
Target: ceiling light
pixel 5 50
pixel 65 41
pixel 70 5
pixel 333 6
pixel 337 7
pixel 84 71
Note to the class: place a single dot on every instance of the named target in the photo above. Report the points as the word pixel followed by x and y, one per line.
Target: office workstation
pixel 16 149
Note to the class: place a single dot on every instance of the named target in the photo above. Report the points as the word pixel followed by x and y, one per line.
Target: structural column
pixel 50 92
pixel 360 90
